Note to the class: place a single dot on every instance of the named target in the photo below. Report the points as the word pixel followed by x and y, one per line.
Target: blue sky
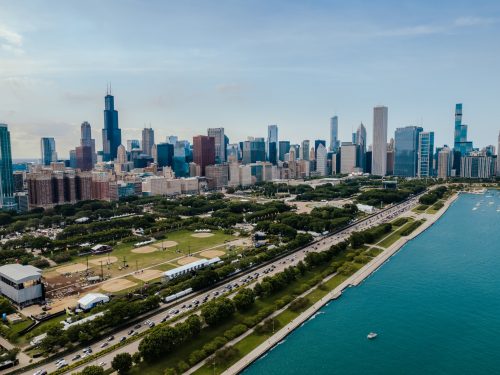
pixel 185 66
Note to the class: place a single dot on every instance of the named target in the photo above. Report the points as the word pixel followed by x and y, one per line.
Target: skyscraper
pixel 305 149
pixel 148 140
pixel 87 140
pixel 203 151
pixel 461 144
pixel 406 151
pixel 220 144
pixel 348 155
pixel 425 154
pixel 111 134
pixel 272 143
pixel 254 150
pixel 164 155
pixel 284 148
pixel 7 201
pixel 133 144
pixel 317 142
pixel 48 150
pixel 361 143
pixel 498 156
pixel 379 147
pixel 334 134
pixel 322 160
pixel 444 162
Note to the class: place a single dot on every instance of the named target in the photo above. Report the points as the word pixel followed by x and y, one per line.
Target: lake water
pixel 435 306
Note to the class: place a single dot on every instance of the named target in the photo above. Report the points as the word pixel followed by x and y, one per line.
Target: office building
pixel 87 140
pixel 425 154
pixel 305 150
pixel 7 201
pixel 217 176
pixel 254 150
pixel 48 150
pixel 111 134
pixel 164 155
pixel 334 134
pixel 444 162
pixel 284 148
pixel 317 142
pixel 272 144
pixel 148 140
pixel 22 284
pixel 379 146
pixel 348 157
pixel 498 156
pixel 172 139
pixel 406 151
pixel 233 152
pixel 133 144
pixel 220 144
pixel 203 151
pixel 476 165
pixel 322 160
pixel 361 149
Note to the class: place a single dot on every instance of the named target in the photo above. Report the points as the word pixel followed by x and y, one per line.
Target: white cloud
pixel 413 31
pixel 473 21
pixel 10 37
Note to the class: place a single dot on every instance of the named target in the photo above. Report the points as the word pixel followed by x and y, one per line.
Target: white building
pixel 91 300
pixel 379 147
pixel 321 160
pixel 444 163
pixel 348 153
pixel 22 284
pixel 188 268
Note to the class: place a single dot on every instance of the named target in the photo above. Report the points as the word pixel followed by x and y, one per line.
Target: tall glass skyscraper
pixel 48 150
pixel 361 150
pixel 406 151
pixel 461 144
pixel 272 143
pixel 111 134
pixel 425 154
pixel 334 134
pixel 7 201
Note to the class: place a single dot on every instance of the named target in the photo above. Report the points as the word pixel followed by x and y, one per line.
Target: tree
pixel 122 363
pixel 216 311
pixel 137 358
pixel 93 370
pixel 244 299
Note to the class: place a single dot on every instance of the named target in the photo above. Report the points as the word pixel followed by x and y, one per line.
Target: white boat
pixel 371 336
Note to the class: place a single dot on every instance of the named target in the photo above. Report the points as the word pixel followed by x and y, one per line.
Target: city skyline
pixel 323 70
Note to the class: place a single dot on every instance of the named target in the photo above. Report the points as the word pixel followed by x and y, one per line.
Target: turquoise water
pixel 435 306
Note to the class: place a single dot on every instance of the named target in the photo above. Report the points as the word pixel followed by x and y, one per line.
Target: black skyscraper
pixel 111 134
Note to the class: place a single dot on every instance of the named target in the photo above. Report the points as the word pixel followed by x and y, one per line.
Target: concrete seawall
pixel 353 280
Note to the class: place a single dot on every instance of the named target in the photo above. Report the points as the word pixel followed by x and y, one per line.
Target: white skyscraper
pixel 379 147
pixel 348 156
pixel 321 160
pixel 334 134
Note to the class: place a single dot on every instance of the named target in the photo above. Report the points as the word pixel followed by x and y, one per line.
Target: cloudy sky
pixel 187 65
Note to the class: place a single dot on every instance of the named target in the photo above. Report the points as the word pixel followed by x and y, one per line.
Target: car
pixel 62 364
pixel 130 332
pixel 151 324
pixel 76 357
pixel 123 339
pixel 102 364
pixel 41 372
pixel 58 361
pixel 103 345
pixel 137 326
pixel 110 338
pixel 164 319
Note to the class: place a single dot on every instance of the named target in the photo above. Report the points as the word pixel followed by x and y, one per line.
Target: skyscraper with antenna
pixel 111 134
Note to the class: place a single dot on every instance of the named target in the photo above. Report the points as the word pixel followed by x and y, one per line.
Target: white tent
pixel 91 300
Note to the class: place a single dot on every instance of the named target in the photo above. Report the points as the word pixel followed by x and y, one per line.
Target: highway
pixel 248 279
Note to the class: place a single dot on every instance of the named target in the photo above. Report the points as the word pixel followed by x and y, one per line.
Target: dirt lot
pixel 166 244
pixel 117 285
pixel 212 253
pixel 105 260
pixel 77 267
pixel 148 275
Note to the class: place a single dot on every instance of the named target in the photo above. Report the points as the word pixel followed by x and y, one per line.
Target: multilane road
pixel 247 279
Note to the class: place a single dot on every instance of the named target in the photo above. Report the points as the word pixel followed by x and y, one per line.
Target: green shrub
pixel 299 304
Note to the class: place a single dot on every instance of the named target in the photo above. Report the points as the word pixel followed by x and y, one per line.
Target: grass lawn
pixel 435 207
pixel 186 244
pixel 394 236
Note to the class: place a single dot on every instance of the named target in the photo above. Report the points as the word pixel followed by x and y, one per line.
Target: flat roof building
pixel 21 284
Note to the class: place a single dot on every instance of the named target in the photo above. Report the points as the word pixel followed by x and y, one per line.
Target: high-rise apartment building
pixel 7 201
pixel 379 146
pixel 48 150
pixel 425 154
pixel 220 144
pixel 476 165
pixel 148 140
pixel 111 134
pixel 334 134
pixel 203 151
pixel 406 151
